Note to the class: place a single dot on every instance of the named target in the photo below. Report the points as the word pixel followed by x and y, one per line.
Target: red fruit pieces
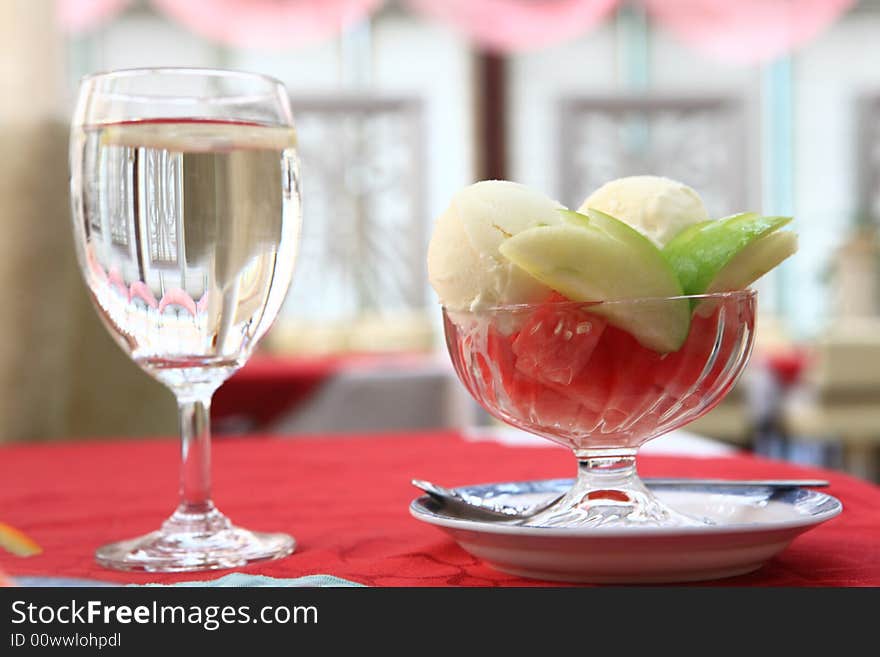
pixel 556 342
pixel 592 385
pixel 632 388
pixel 544 405
pixel 681 371
pixel 500 374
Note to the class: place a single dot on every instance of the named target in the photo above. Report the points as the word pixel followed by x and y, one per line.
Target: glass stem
pixel 602 470
pixel 608 492
pixel 195 471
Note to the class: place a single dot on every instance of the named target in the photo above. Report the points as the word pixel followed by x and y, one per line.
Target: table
pixel 345 499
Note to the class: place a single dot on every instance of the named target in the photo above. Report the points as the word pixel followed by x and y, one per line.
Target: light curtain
pixel 517 25
pixel 259 24
pixel 746 31
pixel 267 24
pixel 84 15
pixel 736 31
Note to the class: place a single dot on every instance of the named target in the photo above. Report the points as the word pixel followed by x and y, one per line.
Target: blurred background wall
pixel 60 373
pixel 772 106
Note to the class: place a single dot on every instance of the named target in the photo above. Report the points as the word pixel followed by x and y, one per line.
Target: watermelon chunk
pixel 680 371
pixel 496 382
pixel 556 342
pixel 501 378
pixel 689 374
pixel 632 389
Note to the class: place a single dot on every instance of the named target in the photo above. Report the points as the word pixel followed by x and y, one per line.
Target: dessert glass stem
pixel 604 469
pixel 608 491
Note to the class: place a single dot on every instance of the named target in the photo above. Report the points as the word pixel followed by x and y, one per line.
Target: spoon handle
pixel 771 483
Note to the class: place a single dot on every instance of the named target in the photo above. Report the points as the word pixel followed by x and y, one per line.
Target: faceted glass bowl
pixel 560 370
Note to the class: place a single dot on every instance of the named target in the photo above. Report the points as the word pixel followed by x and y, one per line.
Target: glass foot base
pixel 613 508
pixel 190 542
pixel 608 493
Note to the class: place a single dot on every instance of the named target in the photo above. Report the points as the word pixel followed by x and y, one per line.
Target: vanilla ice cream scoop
pixel 657 207
pixel 465 267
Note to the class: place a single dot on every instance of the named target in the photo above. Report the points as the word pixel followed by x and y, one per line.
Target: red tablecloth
pixel 345 499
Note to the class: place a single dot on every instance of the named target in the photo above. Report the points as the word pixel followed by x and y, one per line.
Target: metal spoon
pixel 480 508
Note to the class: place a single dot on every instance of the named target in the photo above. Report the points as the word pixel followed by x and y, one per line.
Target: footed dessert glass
pixel 561 370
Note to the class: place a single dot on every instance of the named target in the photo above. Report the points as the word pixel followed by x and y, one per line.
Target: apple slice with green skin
pixel 715 255
pixel 585 262
pixel 573 218
pixel 614 227
pixel 754 261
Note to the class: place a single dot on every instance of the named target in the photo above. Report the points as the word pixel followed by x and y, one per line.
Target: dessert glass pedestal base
pixel 607 491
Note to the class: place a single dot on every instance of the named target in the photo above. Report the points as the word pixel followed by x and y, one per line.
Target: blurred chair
pixel 841 399
pixel 698 140
pixel 416 394
pixel 729 422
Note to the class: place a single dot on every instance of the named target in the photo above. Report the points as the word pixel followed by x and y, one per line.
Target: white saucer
pixel 752 524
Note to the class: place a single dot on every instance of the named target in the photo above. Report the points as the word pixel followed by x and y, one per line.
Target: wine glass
pixel 563 371
pixel 186 219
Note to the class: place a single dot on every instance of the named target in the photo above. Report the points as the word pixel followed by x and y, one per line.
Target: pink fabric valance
pixel 746 31
pixel 740 31
pixel 84 15
pixel 267 24
pixel 517 25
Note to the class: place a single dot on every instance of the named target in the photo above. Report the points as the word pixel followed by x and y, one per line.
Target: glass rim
pixel 194 71
pixel 748 293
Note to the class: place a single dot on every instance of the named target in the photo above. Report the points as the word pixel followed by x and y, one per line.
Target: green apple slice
pixel 755 260
pixel 700 253
pixel 584 262
pixel 572 218
pixel 620 229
